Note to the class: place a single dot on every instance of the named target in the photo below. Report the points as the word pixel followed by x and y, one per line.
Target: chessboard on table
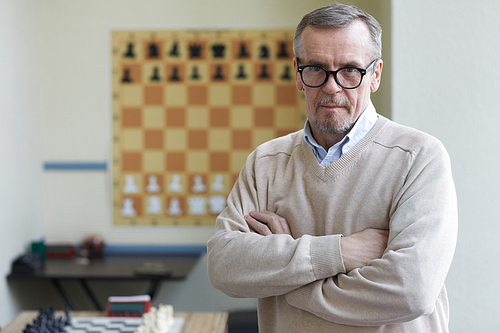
pixel 188 108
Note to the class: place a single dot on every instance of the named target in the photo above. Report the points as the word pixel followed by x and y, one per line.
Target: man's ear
pixel 298 80
pixel 376 75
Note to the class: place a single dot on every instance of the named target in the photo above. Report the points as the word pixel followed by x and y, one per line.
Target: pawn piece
pixel 198 186
pixel 128 208
pixel 154 205
pixel 175 185
pixel 130 186
pixel 174 208
pixel 153 186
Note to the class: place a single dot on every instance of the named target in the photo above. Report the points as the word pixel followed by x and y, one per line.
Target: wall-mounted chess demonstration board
pixel 188 108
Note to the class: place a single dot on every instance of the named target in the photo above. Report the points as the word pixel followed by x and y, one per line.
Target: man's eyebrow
pixel 316 62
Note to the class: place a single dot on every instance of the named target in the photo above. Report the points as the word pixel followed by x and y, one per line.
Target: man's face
pixel 331 109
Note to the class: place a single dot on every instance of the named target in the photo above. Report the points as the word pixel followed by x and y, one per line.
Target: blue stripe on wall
pixel 79 166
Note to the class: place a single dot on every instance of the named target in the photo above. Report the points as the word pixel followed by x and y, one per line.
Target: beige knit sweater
pixel 396 178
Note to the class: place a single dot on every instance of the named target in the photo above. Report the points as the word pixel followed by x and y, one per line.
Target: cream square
pixel 197 162
pixel 219 95
pixel 287 117
pixel 264 95
pixel 132 95
pixel 197 117
pixel 219 139
pixel 175 139
pixel 241 117
pixel 132 139
pixel 154 117
pixel 153 161
pixel 176 95
pixel 238 160
pixel 262 135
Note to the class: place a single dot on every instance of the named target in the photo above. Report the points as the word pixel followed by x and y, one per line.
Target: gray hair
pixel 338 17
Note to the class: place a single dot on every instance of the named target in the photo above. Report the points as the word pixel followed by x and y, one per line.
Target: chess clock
pixel 128 306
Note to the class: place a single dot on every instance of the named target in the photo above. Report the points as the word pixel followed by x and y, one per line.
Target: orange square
pixel 154 183
pixel 264 117
pixel 131 73
pixel 131 161
pixel 153 139
pixel 153 95
pixel 242 139
pixel 286 95
pixel 153 50
pixel 136 203
pixel 197 95
pixel 242 95
pixel 176 117
pixel 131 117
pixel 197 139
pixel 283 132
pixel 219 162
pixel 219 117
pixel 176 162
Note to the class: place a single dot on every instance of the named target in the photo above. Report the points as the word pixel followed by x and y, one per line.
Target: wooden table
pixel 195 322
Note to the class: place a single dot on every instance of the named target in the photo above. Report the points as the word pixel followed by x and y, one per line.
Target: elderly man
pixel 348 225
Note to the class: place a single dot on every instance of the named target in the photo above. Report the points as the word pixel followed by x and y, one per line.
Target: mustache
pixel 332 99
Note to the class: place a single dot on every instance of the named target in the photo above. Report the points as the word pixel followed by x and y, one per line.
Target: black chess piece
pixel 194 51
pixel 241 73
pixel 153 51
pixel 218 73
pixel 283 51
pixel 67 322
pixel 264 52
pixel 130 51
pixel 194 74
pixel 243 51
pixel 286 74
pixel 126 76
pixel 174 51
pixel 218 50
pixel 156 75
pixel 263 72
pixel 175 75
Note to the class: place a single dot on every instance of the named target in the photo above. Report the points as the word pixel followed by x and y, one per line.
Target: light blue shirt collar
pixel 362 126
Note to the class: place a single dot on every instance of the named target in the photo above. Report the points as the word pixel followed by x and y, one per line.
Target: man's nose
pixel 331 86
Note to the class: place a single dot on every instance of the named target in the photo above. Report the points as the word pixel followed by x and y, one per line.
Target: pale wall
pixel 20 150
pixel 446 82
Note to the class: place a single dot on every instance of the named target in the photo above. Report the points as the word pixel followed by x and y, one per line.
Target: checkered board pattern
pixel 113 325
pixel 188 108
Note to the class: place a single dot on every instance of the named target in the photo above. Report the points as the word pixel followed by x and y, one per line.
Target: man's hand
pixel 360 248
pixel 267 223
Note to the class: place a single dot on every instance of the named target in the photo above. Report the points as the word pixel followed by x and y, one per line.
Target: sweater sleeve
pixel 406 282
pixel 242 263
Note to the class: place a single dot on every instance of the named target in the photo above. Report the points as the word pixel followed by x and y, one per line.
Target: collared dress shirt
pixel 362 126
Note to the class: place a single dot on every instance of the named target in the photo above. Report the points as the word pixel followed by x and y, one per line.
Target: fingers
pixel 266 223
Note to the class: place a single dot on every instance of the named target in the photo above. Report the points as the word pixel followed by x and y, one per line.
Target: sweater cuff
pixel 326 258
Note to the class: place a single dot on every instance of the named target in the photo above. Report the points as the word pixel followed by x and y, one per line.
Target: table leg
pixel 91 295
pixel 63 295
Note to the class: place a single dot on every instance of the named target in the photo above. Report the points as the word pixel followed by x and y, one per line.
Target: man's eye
pixel 315 68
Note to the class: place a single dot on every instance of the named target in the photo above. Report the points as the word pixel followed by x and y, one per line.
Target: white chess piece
pixel 154 205
pixel 217 203
pixel 218 184
pixel 153 186
pixel 174 208
pixel 128 208
pixel 198 186
pixel 130 186
pixel 197 206
pixel 175 185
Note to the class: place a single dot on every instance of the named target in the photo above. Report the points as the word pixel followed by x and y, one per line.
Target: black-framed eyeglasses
pixel 347 77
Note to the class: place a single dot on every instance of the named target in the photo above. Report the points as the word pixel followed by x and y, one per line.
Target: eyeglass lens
pixel 316 76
